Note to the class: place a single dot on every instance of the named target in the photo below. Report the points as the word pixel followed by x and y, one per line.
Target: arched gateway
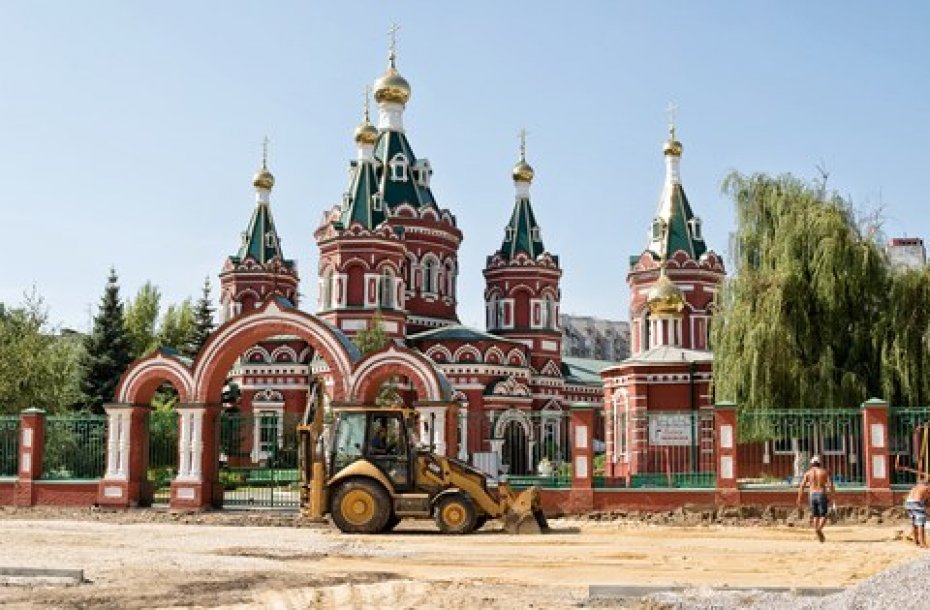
pixel 200 384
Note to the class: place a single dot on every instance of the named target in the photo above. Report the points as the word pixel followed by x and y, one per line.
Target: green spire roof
pixel 260 241
pixel 393 148
pixel 522 233
pixel 361 203
pixel 682 227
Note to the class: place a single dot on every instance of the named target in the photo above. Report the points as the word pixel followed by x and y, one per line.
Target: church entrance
pixel 514 451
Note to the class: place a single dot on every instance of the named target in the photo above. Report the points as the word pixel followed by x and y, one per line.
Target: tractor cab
pixel 381 436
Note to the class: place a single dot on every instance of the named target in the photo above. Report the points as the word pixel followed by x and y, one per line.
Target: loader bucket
pixel 525 515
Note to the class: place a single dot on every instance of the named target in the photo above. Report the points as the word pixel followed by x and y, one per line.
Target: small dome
pixel 263 179
pixel 392 87
pixel 523 172
pixel 665 297
pixel 366 133
pixel 672 147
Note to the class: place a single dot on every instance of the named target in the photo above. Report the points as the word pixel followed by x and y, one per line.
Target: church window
pixel 269 240
pixel 429 276
pixel 399 168
pixel 423 173
pixel 376 202
pixel 534 234
pixel 327 301
pixel 658 228
pixel 387 290
pixel 508 236
pixel 695 224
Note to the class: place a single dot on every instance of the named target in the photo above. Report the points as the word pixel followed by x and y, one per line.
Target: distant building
pixel 907 252
pixel 589 337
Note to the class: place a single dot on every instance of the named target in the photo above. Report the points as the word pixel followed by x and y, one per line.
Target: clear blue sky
pixel 129 131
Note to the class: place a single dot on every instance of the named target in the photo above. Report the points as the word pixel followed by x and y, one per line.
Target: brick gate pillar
pixel 125 482
pixel 581 430
pixel 31 453
pixel 197 485
pixel 725 437
pixel 876 459
pixel 433 428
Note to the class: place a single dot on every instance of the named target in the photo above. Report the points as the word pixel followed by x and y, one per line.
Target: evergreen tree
pixel 203 320
pixel 800 323
pixel 141 319
pixel 106 354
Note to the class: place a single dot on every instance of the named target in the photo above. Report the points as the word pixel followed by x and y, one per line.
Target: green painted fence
pixel 75 447
pixel 9 446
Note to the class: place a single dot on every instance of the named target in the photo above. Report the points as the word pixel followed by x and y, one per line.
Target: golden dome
pixel 523 172
pixel 366 133
pixel 263 179
pixel 392 87
pixel 665 297
pixel 672 147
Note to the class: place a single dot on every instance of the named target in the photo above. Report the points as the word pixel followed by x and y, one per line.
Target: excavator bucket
pixel 525 515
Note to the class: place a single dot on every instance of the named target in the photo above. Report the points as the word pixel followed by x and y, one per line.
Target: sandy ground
pixel 135 565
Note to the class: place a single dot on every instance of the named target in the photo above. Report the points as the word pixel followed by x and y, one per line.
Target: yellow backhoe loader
pixel 374 474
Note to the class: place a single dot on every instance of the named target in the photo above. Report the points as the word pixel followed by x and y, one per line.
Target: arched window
pixel 430 269
pixel 326 301
pixel 386 290
pixel 492 312
pixel 399 168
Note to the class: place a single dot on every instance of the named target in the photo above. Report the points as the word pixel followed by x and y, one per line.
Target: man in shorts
pixel 916 507
pixel 820 482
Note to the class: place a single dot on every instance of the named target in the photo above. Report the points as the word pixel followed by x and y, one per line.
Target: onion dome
pixel 672 146
pixel 665 297
pixel 523 171
pixel 392 87
pixel 263 179
pixel 366 133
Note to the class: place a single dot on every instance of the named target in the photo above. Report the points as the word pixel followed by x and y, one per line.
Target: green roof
pixel 522 233
pixel 395 192
pixel 360 205
pixel 457 332
pixel 676 212
pixel 260 240
pixel 586 371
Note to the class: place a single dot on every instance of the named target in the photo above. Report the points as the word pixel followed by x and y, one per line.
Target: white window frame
pixel 399 167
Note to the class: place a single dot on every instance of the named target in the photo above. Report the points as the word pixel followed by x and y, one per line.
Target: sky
pixel 130 131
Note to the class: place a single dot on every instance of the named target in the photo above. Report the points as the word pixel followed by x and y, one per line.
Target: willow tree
pixel 798 324
pixel 903 338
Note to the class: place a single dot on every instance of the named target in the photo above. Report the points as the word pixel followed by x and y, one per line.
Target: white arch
pixel 521 359
pixel 257 349
pixel 159 364
pixel 495 351
pixel 466 349
pixel 513 415
pixel 439 349
pixel 284 349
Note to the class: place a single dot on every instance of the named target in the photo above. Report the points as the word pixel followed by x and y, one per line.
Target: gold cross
pixel 522 134
pixel 670 111
pixel 392 32
pixel 265 153
pixel 367 95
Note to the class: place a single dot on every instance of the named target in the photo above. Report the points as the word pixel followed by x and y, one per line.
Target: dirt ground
pixel 136 560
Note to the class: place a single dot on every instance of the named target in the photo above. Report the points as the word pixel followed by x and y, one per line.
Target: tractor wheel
pixel 361 507
pixel 456 514
pixel 392 522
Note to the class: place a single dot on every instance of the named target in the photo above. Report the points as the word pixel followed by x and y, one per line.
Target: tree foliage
pixel 107 349
pixel 39 366
pixel 372 338
pixel 814 315
pixel 141 320
pixel 177 327
pixel 203 320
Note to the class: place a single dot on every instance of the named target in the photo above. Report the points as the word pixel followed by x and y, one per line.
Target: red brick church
pixel 389 250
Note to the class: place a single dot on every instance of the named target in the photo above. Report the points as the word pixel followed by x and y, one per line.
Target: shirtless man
pixel 820 482
pixel 916 506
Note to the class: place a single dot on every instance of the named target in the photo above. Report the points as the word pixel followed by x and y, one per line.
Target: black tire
pixel 361 506
pixel 456 514
pixel 480 521
pixel 392 522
